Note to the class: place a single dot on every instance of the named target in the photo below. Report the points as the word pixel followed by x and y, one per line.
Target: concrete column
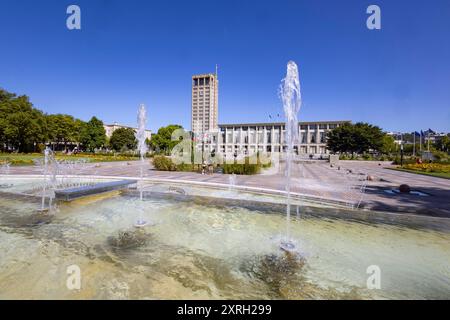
pixel 264 142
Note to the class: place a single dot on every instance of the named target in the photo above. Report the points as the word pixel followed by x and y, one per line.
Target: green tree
pixel 78 128
pixel 63 129
pixel 162 141
pixel 21 131
pixel 3 140
pixel 93 135
pixel 443 144
pixel 123 139
pixel 355 138
pixel 388 146
pixel 22 125
pixel 408 137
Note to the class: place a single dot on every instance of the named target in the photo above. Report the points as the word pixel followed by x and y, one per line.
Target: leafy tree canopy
pixel 123 139
pixel 22 126
pixel 93 134
pixel 64 128
pixel 162 141
pixel 388 146
pixel 443 144
pixel 356 138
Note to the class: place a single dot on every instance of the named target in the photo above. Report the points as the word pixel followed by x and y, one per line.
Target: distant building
pixel 397 136
pixel 421 137
pixel 250 138
pixel 110 128
pixel 205 103
pixel 434 137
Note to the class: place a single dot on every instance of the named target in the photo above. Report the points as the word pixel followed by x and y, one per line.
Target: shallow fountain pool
pixel 201 250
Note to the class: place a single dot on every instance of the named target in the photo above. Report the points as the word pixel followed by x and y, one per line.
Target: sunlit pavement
pixel 315 178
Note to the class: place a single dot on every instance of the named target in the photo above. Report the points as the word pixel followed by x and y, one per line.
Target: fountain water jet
pixel 4 168
pixel 46 155
pixel 49 185
pixel 291 96
pixel 142 148
pixel 231 182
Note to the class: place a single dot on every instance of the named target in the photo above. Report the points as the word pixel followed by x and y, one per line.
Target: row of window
pixel 276 138
pixel 202 81
pixel 302 127
pixel 194 104
pixel 246 151
pixel 202 92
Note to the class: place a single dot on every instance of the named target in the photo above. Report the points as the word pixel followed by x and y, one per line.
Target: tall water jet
pixel 4 168
pixel 142 148
pixel 49 170
pixel 291 97
pixel 44 189
pixel 231 182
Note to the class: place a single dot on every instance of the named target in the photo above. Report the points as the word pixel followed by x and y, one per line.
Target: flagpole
pixel 414 146
pixel 420 141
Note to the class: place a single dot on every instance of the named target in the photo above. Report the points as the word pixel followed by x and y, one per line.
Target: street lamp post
pixel 401 155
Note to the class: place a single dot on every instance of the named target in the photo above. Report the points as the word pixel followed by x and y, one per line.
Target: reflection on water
pixel 202 251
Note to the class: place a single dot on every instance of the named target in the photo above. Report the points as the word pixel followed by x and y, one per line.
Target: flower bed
pixel 18 159
pixel 429 167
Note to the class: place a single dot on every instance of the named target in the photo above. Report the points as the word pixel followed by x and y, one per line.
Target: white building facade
pixel 232 140
pixel 110 128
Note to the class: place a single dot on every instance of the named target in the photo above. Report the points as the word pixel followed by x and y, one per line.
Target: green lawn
pixel 444 175
pixel 27 159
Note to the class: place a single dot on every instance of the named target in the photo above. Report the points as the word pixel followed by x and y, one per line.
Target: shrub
pixel 441 156
pixel 163 163
pixel 397 160
pixel 347 156
pixel 185 167
pixel 243 168
pixel 240 168
pixel 21 162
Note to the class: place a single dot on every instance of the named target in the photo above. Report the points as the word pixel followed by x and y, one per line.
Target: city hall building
pixel 249 138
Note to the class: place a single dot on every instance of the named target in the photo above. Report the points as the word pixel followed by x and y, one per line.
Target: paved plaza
pixel 311 178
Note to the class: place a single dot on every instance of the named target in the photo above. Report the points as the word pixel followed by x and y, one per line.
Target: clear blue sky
pixel 131 51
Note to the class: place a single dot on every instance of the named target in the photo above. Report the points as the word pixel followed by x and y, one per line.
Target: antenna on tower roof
pixel 216 70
